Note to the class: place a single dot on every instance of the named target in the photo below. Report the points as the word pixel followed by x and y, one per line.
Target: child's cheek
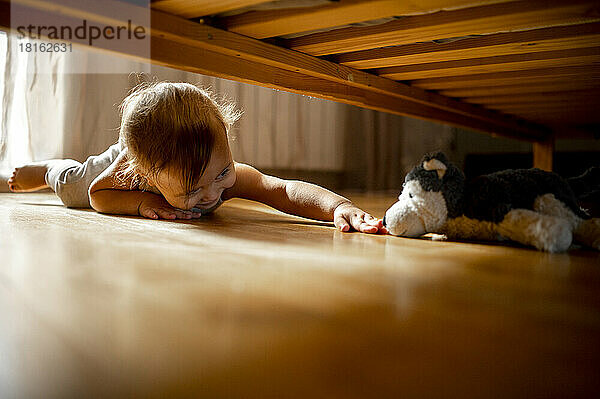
pixel 230 180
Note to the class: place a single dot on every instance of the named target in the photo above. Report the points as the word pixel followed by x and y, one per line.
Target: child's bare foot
pixel 27 178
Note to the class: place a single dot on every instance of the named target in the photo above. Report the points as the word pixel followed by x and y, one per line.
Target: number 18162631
pixel 44 47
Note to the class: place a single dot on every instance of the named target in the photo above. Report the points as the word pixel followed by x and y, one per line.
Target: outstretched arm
pixel 301 199
pixel 114 194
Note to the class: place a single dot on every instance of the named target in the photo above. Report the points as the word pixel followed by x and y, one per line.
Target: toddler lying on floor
pixel 173 161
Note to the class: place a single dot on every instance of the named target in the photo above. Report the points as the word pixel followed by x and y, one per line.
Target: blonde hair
pixel 172 125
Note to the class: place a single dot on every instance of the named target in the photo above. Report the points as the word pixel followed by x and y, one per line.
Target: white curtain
pixel 49 112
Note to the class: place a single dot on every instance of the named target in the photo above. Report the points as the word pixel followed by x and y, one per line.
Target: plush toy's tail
pixel 586 184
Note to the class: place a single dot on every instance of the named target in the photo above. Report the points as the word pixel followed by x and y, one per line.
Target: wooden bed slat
pixel 199 8
pixel 583 114
pixel 501 78
pixel 263 24
pixel 546 106
pixel 562 117
pixel 499 83
pixel 565 116
pixel 538 98
pixel 584 84
pixel 496 79
pixel 538 40
pixel 489 19
pixel 519 62
pixel 551 113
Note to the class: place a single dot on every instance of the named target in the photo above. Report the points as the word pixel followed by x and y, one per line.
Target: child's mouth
pixel 206 204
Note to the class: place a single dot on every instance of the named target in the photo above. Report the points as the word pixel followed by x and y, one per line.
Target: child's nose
pixel 211 194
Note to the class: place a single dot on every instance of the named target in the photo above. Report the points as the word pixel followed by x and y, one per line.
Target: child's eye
pixel 223 174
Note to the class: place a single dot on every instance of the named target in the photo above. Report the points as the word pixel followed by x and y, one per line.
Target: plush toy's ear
pixel 437 165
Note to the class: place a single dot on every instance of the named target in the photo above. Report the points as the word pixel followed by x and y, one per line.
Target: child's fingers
pixel 354 221
pixel 367 228
pixel 165 214
pixel 343 226
pixel 181 214
pixel 341 223
pixel 373 221
pixel 359 221
pixel 362 222
pixel 148 213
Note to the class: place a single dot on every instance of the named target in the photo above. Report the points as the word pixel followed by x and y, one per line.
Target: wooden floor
pixel 253 303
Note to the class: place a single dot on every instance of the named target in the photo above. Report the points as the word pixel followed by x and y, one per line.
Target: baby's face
pixel 218 176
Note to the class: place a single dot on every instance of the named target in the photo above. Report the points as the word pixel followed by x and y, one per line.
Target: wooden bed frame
pixel 527 69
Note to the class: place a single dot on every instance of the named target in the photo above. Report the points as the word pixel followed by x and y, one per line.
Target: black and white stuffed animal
pixel 529 206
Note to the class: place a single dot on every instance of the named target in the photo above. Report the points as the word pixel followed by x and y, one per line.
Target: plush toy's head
pixel 432 192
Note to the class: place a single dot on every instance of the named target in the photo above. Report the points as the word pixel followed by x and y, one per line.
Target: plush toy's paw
pixel 546 233
pixel 547 204
pixel 588 233
pixel 551 234
pixel 436 237
pixel 439 237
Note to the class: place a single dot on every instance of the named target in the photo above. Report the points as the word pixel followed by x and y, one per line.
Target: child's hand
pixel 156 207
pixel 347 216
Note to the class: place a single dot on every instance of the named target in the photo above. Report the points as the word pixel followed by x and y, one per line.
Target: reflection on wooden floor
pixel 253 303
